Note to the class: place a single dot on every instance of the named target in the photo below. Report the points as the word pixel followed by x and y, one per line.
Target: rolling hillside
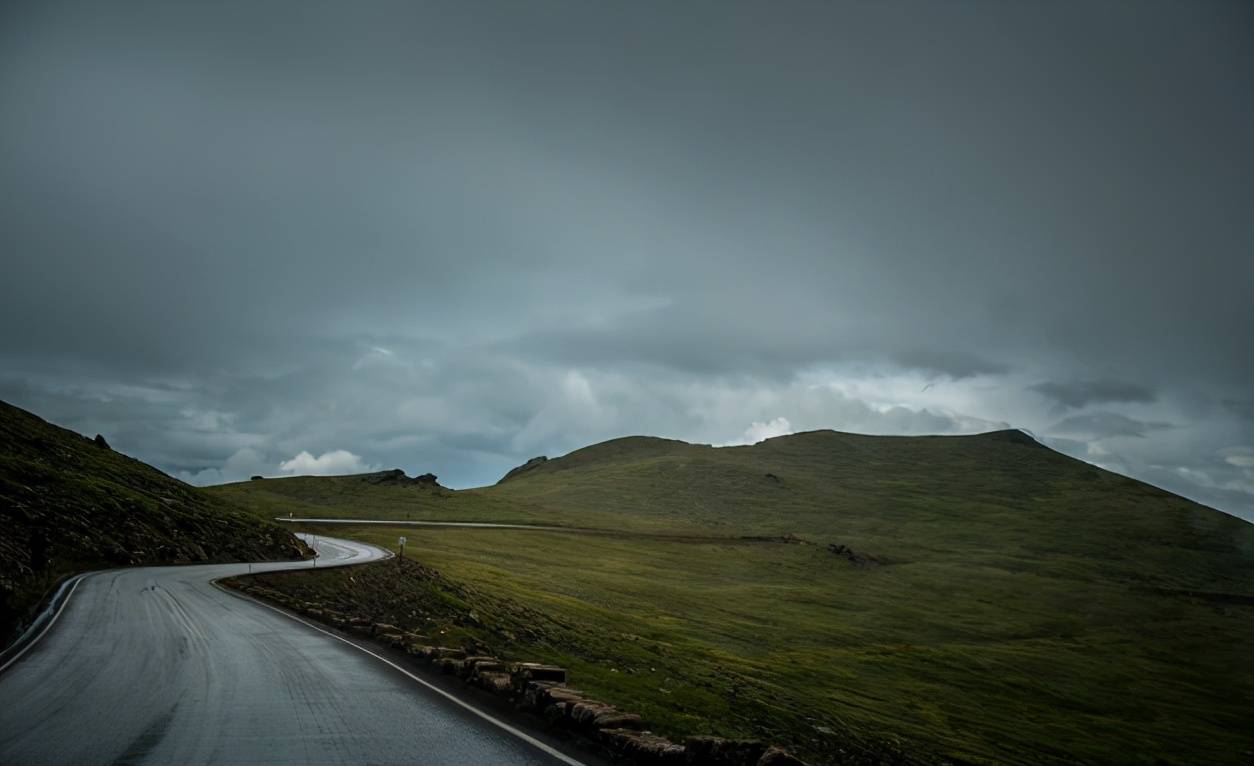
pixel 975 598
pixel 1000 493
pixel 69 503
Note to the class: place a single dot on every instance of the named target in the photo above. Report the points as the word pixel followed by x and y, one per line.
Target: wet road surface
pixel 157 665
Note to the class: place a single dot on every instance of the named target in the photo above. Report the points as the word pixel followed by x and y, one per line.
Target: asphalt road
pixel 156 665
pixel 406 523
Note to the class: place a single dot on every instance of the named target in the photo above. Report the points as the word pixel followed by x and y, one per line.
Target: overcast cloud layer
pixel 297 238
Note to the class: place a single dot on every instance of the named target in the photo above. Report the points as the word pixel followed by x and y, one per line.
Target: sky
pixel 283 238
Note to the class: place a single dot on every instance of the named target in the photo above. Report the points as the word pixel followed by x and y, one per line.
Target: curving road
pixel 408 523
pixel 157 665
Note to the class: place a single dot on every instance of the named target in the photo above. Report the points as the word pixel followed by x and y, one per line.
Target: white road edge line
pixel 55 617
pixel 485 716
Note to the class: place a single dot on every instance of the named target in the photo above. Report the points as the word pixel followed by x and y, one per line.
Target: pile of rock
pixel 854 557
pixel 542 689
pixel 397 477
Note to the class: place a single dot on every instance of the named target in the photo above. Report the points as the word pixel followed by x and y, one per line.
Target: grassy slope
pixel 67 504
pixel 1037 609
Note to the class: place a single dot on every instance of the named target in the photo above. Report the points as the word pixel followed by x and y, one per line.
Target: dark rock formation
pixel 100 442
pixel 394 476
pixel 397 477
pixel 527 466
pixel 855 558
pixel 787 539
pixel 716 751
pixel 535 671
pixel 776 757
pixel 255 478
pixel 643 747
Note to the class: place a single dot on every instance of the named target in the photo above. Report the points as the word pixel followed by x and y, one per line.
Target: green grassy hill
pixel 68 504
pixel 1000 493
pixel 978 598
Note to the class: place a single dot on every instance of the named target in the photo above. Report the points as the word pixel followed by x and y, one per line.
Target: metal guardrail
pixel 42 622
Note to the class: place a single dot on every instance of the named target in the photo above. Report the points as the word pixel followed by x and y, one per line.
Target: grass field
pixel 1026 607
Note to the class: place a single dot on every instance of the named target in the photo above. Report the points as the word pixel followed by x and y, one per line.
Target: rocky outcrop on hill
pixel 534 462
pixel 396 477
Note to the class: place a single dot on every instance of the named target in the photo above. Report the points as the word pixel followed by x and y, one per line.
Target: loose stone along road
pixel 158 665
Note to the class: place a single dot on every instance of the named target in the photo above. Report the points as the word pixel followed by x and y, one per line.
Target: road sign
pixel 401 541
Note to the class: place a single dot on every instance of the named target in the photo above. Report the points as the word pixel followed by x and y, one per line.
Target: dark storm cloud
pixel 1101 425
pixel 1242 408
pixel 453 234
pixel 955 364
pixel 1079 393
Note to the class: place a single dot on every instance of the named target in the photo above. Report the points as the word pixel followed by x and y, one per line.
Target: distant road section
pixel 157 665
pixel 407 523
